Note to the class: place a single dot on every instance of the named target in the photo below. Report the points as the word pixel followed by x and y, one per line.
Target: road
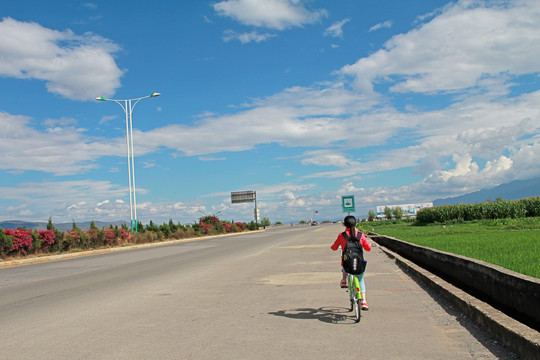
pixel 265 295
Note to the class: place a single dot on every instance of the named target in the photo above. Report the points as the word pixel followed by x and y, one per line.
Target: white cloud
pixel 465 175
pixel 246 37
pixel 350 189
pixel 67 200
pixel 61 149
pixel 77 67
pixel 265 125
pixel 464 167
pixel 525 161
pixel 149 164
pixel 274 14
pixel 336 29
pixel 295 117
pixel 69 192
pixel 61 122
pixel 107 118
pixel 457 49
pixel 77 205
pixel 386 24
pixel 326 158
pixel 91 6
pixel 491 141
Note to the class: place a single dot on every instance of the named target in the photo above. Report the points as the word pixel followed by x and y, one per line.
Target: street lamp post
pixel 128 105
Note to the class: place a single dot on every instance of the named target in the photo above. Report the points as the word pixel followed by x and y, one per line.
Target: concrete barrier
pixel 515 294
pixel 524 340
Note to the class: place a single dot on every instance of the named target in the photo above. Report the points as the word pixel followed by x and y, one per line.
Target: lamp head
pixel 101 98
pixel 155 94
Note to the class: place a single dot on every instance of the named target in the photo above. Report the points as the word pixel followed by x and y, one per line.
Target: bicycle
pixel 355 295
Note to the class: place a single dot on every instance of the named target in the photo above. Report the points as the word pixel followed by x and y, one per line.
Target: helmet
pixel 349 221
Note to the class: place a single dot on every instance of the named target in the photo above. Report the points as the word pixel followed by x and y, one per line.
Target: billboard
pixel 246 196
pixel 243 196
pixel 407 209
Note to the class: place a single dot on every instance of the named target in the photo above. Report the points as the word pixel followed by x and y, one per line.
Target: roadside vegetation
pixel 24 242
pixel 504 233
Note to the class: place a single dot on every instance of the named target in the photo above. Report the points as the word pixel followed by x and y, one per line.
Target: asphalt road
pixel 267 295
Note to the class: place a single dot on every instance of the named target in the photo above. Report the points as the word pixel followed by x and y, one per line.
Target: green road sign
pixel 347 203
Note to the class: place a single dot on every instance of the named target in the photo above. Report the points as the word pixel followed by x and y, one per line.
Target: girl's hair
pixel 350 223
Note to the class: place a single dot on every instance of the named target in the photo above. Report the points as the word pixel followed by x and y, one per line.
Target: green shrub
pixel 252 226
pixel 6 243
pixel 145 237
pixel 532 206
pixel 167 232
pixel 36 241
pixel 490 210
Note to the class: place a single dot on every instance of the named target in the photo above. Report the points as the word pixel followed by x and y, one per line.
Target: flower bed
pixel 22 242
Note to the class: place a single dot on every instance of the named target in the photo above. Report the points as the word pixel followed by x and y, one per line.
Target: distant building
pixel 409 210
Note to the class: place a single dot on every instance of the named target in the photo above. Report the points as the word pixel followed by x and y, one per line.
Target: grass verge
pixel 511 243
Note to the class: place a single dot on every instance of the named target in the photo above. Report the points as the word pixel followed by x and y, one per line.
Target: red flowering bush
pixel 109 236
pixel 124 237
pixel 240 226
pixel 206 228
pixel 47 238
pixel 22 240
pixel 210 225
pixel 71 239
pixel 95 237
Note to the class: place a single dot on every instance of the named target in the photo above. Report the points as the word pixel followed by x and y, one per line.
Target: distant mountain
pixel 515 190
pixel 14 224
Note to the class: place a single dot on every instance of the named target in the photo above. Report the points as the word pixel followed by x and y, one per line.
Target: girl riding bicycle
pixel 350 223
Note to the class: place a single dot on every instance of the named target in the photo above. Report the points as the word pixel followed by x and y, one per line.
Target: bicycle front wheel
pixel 350 290
pixel 356 310
pixel 355 297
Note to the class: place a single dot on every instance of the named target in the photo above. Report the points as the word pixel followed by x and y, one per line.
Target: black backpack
pixel 353 256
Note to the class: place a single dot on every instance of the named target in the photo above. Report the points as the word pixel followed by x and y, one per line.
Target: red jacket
pixel 340 241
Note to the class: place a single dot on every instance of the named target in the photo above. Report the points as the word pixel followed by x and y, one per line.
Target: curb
pixel 47 258
pixel 524 340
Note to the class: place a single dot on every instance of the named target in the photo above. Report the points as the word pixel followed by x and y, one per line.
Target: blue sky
pixel 303 101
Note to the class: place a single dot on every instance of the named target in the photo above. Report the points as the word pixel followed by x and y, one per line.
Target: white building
pixel 409 210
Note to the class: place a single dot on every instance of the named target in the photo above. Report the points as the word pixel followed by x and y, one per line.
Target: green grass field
pixel 511 243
